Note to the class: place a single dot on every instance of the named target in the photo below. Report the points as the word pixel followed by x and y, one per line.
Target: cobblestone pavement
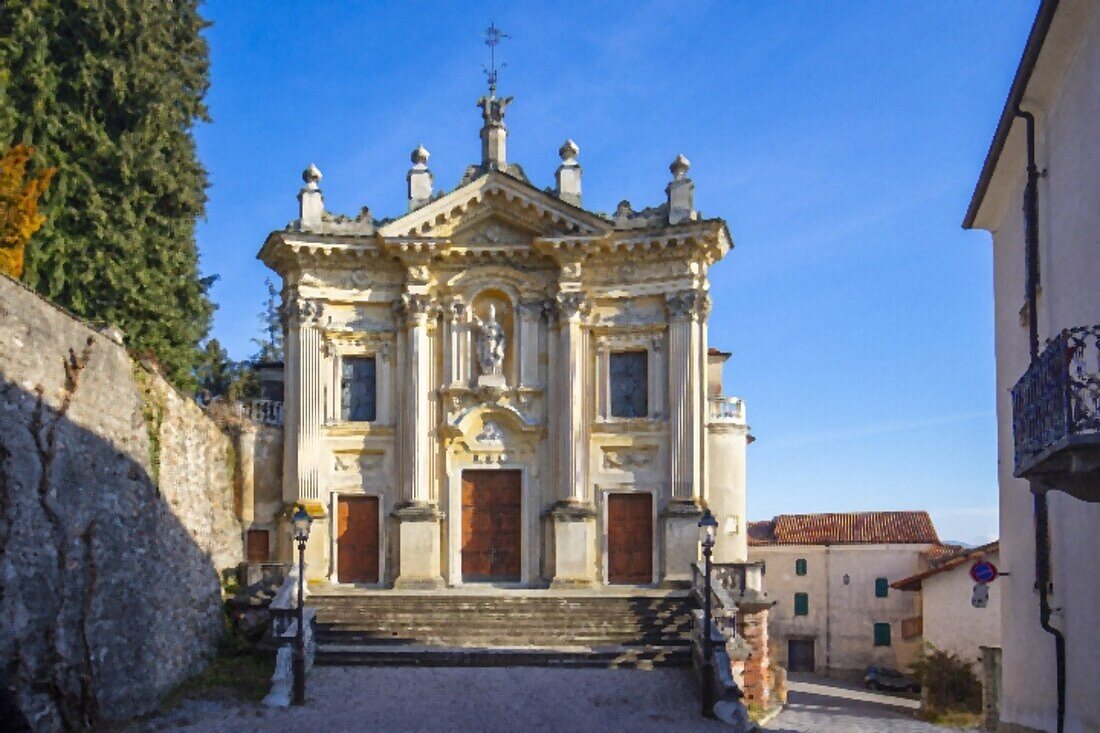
pixel 463 699
pixel 816 705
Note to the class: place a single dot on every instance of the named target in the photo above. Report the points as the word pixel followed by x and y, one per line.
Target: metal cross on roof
pixel 493 36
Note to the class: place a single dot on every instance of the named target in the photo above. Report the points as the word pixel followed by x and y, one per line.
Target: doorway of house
pixel 357 539
pixel 491 521
pixel 629 538
pixel 800 655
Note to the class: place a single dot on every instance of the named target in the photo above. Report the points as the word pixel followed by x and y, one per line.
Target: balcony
pixel 1056 415
pixel 266 412
pixel 725 410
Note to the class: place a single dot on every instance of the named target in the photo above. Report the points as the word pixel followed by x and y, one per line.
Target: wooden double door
pixel 491 525
pixel 357 539
pixel 630 539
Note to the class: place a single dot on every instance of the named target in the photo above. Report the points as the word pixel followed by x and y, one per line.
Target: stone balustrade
pixel 725 409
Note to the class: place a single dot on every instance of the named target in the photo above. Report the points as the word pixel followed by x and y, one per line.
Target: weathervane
pixel 493 36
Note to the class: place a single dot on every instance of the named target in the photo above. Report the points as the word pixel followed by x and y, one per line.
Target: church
pixel 499 386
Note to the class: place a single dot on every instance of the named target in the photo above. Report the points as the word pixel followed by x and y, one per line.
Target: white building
pixel 1047 307
pixel 501 386
pixel 829 576
pixel 949 619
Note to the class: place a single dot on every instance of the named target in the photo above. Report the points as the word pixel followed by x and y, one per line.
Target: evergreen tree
pixel 271 343
pixel 107 91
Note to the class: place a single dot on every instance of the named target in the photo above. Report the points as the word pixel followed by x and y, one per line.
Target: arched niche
pixel 505 307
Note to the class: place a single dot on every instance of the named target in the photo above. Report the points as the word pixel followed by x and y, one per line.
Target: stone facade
pixel 493 317
pixel 116 516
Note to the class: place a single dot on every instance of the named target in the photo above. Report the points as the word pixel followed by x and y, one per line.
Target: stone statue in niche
pixel 490 350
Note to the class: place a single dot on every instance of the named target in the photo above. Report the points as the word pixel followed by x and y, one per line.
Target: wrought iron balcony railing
pixel 1056 414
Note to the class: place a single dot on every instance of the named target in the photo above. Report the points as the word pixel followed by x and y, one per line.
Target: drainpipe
pixel 1041 509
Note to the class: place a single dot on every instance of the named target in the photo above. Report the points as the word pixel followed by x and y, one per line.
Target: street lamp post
pixel 301 521
pixel 708 529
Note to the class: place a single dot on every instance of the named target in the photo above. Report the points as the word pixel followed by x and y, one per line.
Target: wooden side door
pixel 629 538
pixel 800 655
pixel 258 546
pixel 357 539
pixel 491 525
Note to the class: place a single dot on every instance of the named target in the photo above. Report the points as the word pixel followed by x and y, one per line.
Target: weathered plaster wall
pixel 951 622
pixel 109 577
pixel 841 615
pixel 1068 150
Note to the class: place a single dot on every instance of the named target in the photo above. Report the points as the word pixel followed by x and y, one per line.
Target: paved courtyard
pixel 531 699
pixel 817 705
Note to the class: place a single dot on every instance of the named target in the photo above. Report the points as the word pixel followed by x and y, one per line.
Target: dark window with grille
pixel 801 604
pixel 882 634
pixel 882 587
pixel 799 567
pixel 629 384
pixel 357 389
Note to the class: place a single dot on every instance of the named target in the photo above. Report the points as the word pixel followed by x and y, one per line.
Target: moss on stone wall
pixel 153 408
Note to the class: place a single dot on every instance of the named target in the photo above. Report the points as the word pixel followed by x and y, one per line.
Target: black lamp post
pixel 708 530
pixel 301 520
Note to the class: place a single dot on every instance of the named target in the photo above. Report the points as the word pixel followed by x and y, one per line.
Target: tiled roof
pixel 851 528
pixel 946 562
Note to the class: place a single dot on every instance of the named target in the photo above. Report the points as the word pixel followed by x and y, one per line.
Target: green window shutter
pixel 799 567
pixel 882 587
pixel 801 604
pixel 882 634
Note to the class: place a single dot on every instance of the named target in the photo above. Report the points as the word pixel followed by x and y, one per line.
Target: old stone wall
pixel 116 518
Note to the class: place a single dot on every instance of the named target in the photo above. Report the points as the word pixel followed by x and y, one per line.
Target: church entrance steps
pixel 529 628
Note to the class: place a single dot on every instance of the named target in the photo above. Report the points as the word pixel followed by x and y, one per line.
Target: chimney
pixel 494 134
pixel 569 174
pixel 420 179
pixel 311 205
pixel 681 192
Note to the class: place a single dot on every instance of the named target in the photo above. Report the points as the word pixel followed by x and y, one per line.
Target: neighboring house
pixel 500 386
pixel 1038 194
pixel 949 620
pixel 829 576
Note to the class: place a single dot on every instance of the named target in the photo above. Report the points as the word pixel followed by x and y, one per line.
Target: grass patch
pixel 240 677
pixel 952 719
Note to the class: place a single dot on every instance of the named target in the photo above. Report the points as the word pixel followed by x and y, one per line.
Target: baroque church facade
pixel 500 386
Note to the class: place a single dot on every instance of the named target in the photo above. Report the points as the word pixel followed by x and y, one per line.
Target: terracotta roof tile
pixel 851 528
pixel 948 561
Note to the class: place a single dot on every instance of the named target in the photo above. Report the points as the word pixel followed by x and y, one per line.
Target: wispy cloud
pixel 864 431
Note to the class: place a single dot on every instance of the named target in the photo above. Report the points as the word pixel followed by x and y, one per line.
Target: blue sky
pixel 841 141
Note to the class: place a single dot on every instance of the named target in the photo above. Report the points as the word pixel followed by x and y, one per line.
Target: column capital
pixel 299 311
pixel 415 308
pixel 688 304
pixel 573 305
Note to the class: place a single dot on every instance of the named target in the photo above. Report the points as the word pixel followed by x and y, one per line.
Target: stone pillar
pixel 752 626
pixel 682 513
pixel 574 516
pixel 527 342
pixel 245 470
pixel 302 454
pixel 419 534
pixel 311 204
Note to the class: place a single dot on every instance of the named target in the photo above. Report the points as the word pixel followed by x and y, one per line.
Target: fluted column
pixel 683 398
pixel 416 309
pixel 307 395
pixel 574 446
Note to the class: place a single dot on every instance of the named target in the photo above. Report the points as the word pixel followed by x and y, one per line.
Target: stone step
pixel 642 657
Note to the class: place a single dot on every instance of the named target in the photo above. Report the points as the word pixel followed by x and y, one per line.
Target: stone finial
pixel 568 175
pixel 494 135
pixel 681 192
pixel 311 203
pixel 420 179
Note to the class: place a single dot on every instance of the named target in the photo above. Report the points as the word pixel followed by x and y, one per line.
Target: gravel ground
pixel 463 699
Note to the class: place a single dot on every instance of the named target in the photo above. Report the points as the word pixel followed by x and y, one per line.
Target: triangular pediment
pixel 498 206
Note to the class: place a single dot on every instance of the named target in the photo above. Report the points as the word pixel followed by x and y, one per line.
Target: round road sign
pixel 983 572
